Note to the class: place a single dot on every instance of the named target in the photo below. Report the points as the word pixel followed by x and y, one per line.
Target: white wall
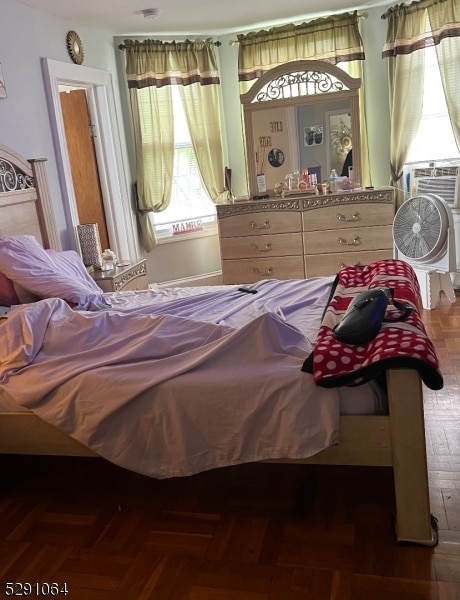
pixel 27 35
pixel 373 32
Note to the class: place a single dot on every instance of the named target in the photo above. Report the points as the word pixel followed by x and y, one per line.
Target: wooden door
pixel 83 164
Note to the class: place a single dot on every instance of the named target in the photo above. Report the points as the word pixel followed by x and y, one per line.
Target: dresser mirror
pixel 300 115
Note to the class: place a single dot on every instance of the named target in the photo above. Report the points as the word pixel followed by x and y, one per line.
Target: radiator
pixel 214 278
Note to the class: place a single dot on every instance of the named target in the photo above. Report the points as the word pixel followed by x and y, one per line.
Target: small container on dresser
pixel 132 276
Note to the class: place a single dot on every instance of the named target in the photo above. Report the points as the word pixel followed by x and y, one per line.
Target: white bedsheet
pixel 171 383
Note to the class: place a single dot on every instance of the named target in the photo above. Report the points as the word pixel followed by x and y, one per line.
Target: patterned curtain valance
pixel 332 39
pixel 153 63
pixel 438 20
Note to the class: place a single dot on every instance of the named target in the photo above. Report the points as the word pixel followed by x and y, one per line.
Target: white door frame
pixel 120 219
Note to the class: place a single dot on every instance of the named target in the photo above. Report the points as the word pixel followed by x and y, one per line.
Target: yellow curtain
pixel 152 67
pixel 204 123
pixel 411 28
pixel 333 39
pixel 444 21
pixel 152 117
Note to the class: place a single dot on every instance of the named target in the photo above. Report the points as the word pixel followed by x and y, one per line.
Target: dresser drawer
pixel 348 240
pixel 282 244
pixel 348 216
pixel 251 270
pixel 329 264
pixel 260 222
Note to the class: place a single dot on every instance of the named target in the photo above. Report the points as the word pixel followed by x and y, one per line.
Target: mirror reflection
pixel 288 132
pixel 340 142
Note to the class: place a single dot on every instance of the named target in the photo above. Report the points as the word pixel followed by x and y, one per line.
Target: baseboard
pixel 214 278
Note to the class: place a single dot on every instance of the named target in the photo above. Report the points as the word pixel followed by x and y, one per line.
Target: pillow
pixel 48 275
pixel 25 297
pixel 8 295
pixel 69 262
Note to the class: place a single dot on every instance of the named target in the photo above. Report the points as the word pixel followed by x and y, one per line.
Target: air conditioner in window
pixel 443 180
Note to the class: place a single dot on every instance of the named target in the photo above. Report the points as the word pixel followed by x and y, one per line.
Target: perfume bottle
pixel 295 180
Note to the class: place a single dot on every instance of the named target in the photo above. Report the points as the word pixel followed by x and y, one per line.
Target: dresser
pixel 304 236
pixel 130 277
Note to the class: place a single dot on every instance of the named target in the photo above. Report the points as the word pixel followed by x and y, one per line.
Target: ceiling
pixel 197 18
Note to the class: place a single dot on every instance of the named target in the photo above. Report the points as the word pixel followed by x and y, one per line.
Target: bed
pixel 395 439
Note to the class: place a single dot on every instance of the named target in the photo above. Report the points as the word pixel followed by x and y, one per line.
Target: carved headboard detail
pixel 25 202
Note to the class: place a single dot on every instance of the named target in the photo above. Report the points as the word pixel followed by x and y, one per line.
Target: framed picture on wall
pixel 313 135
pixel 2 84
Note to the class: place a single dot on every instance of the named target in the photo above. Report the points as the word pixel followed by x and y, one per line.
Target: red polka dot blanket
pixel 398 344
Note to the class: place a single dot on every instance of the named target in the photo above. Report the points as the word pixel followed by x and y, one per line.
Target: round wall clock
pixel 75 47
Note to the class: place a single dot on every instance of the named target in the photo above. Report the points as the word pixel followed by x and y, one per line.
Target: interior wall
pixel 373 32
pixel 24 118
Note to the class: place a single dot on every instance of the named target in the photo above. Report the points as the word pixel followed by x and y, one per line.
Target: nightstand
pixel 130 277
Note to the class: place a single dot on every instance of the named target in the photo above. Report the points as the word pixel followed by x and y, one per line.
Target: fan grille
pixel 419 228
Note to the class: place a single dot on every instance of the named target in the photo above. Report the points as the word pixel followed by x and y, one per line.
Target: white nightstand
pixel 130 277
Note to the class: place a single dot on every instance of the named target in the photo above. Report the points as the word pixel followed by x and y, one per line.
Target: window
pixel 190 208
pixel 435 139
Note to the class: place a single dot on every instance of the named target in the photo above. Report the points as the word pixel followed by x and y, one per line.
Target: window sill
pixel 211 230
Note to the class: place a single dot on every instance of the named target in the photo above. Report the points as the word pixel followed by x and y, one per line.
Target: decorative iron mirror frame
pixel 294 84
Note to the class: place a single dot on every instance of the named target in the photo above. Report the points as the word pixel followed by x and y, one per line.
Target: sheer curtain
pixel 411 28
pixel 152 67
pixel 444 19
pixel 334 39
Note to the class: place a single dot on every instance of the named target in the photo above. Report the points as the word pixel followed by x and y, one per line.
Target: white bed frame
pixel 396 440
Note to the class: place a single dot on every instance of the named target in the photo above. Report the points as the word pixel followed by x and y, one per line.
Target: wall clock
pixel 75 47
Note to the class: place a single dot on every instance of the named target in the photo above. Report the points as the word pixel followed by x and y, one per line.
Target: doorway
pixel 79 134
pixel 114 188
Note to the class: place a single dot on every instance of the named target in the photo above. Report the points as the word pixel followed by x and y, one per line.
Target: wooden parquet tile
pixel 254 532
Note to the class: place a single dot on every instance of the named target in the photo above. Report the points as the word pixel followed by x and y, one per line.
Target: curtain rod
pixel 362 15
pixel 123 47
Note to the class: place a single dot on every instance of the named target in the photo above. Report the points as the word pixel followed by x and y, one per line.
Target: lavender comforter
pixel 171 383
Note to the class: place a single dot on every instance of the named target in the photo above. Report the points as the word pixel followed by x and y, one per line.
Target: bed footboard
pixel 407 426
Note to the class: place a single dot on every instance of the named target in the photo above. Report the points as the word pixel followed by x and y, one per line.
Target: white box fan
pixel 424 236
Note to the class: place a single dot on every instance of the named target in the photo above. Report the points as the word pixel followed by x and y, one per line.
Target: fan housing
pixel 423 233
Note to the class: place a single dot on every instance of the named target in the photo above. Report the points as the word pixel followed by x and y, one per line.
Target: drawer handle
pixel 266 273
pixel 356 241
pixel 268 248
pixel 265 225
pixel 354 217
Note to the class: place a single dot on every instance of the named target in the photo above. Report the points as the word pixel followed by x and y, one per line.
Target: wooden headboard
pixel 25 203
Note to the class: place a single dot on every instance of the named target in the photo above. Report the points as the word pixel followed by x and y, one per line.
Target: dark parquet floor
pixel 255 532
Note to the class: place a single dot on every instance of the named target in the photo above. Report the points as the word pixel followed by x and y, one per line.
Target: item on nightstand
pixel 109 260
pixel 90 244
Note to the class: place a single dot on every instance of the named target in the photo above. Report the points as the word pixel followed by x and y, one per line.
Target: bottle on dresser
pixel 333 181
